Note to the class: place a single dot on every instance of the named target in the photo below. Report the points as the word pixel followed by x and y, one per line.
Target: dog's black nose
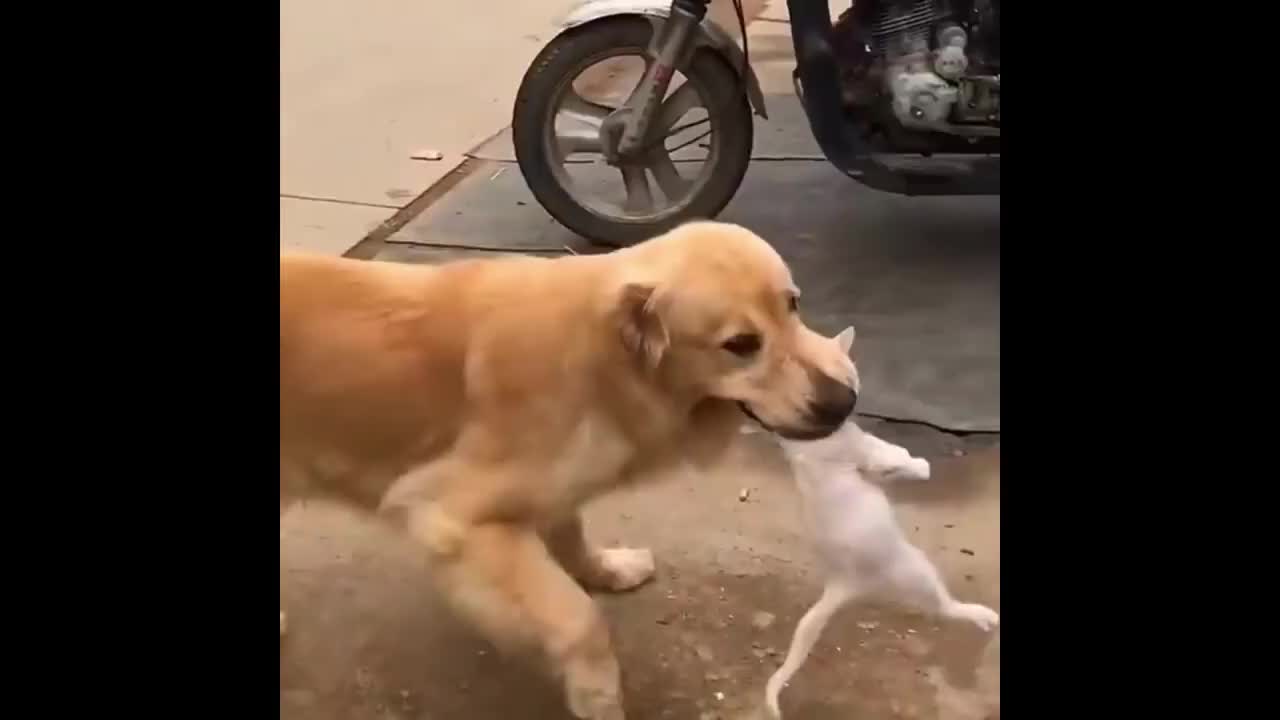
pixel 835 408
pixel 833 400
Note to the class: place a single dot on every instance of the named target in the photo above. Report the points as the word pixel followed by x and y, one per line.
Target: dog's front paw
pixel 981 615
pixel 625 568
pixel 595 704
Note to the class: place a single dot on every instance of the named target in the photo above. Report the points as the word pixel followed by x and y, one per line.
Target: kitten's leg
pixel 835 595
pixel 888 461
pixel 918 583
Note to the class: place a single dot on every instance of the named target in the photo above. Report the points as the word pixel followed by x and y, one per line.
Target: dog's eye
pixel 743 345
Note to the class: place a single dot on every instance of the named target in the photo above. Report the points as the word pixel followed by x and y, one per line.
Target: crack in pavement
pixel 336 201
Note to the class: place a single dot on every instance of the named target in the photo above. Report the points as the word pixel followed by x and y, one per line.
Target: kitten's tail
pixel 834 596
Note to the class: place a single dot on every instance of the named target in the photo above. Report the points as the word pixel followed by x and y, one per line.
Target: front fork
pixel 625 132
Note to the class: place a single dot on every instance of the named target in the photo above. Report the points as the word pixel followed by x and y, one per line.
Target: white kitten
pixel 859 545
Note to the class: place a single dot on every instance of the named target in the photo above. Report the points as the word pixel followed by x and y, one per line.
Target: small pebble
pixel 868 625
pixel 966 551
pixel 428 155
pixel 958 452
pixel 719 695
pixel 761 620
pixel 743 494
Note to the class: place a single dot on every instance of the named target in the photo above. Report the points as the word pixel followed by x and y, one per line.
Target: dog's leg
pixel 610 569
pixel 835 595
pixel 918 583
pixel 503 579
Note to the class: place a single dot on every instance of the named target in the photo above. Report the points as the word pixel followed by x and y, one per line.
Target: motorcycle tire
pixel 727 104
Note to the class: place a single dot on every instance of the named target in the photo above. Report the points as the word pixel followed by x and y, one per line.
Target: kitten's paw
pixel 918 469
pixel 981 615
pixel 912 470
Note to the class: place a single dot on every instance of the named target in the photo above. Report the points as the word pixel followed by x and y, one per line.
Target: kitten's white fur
pixel 859 545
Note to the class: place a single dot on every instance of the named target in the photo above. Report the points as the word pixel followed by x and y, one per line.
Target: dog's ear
pixel 845 339
pixel 642 329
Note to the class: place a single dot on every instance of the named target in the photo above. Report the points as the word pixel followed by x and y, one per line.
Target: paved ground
pixel 369 641
pixel 366 85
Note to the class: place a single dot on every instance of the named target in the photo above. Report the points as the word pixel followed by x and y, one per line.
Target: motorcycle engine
pixel 934 63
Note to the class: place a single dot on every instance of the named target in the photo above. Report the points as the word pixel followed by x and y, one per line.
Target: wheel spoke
pixel 639 199
pixel 578 124
pixel 676 106
pixel 668 177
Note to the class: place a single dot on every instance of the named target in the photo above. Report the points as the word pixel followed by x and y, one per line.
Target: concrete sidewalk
pixel 365 85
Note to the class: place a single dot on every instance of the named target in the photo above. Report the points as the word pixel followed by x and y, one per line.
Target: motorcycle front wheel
pixel 556 129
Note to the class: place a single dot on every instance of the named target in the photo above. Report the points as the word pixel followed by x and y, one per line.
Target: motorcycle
pixel 901 95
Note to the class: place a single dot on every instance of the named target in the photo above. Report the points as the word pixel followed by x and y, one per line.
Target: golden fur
pixel 482 402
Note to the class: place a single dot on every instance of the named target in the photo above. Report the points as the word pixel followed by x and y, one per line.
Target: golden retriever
pixel 481 403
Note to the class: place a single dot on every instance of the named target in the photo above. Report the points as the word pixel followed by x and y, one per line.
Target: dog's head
pixel 712 310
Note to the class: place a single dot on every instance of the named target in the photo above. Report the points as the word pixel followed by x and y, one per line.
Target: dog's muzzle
pixel 825 415
pixel 834 409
